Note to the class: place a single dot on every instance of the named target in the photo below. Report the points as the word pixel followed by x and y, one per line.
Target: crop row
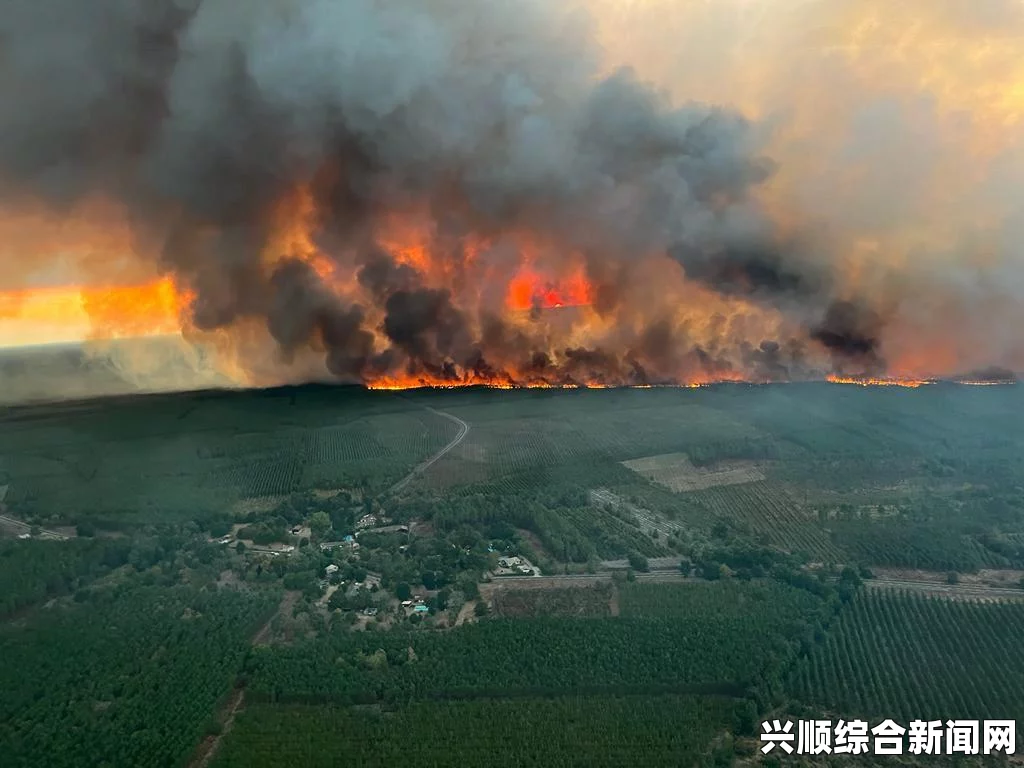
pixel 771 515
pixel 916 657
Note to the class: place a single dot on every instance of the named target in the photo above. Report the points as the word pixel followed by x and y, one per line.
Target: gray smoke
pixel 202 114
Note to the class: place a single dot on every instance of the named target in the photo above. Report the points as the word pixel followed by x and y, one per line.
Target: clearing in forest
pixel 676 472
pixel 576 601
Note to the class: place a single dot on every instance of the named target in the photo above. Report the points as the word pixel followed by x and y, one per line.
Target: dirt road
pixel 208 748
pixel 419 469
pixel 952 591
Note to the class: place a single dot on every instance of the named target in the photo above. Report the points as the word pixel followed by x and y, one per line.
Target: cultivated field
pixel 676 472
pixel 913 656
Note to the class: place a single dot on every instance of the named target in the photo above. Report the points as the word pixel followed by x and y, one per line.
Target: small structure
pixel 525 569
pixel 370 611
pixel 407 603
pixel 330 570
pixel 367 521
pixel 24 535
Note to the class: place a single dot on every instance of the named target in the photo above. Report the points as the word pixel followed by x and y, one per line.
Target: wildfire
pixel 528 289
pixel 878 382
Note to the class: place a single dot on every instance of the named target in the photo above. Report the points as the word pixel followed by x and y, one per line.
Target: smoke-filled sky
pixel 399 191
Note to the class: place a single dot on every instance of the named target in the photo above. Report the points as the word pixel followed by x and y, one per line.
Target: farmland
pixel 914 656
pixel 709 557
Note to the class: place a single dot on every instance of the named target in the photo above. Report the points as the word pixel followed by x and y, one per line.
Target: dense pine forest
pixel 581 578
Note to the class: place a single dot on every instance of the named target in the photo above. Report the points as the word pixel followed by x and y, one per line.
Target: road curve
pixel 420 468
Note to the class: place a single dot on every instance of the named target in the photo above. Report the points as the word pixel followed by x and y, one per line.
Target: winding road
pixel 420 468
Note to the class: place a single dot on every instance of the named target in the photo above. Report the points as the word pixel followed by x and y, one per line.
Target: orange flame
pixel 528 289
pixel 877 382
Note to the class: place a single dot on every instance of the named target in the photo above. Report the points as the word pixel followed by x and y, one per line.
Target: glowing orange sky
pixel 70 313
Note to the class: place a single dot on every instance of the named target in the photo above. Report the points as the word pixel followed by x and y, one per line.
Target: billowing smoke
pixel 366 180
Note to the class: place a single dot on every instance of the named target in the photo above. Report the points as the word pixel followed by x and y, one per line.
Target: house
pixel 509 562
pixel 367 521
pixel 330 570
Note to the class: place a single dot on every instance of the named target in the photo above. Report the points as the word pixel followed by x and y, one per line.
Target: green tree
pixel 337 601
pixel 403 591
pixel 319 523
pixel 638 562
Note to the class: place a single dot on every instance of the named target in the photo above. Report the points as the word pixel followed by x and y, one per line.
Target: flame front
pixel 508 208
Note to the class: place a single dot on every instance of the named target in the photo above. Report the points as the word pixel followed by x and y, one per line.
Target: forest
pixel 726 636
pixel 603 730
pixel 34 570
pixel 168 599
pixel 130 676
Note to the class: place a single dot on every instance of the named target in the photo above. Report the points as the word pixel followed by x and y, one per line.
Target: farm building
pixel 367 521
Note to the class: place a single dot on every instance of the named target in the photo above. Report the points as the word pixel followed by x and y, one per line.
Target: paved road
pixel 25 528
pixel 463 431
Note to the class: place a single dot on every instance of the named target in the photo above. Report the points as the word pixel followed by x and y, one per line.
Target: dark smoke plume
pixel 203 115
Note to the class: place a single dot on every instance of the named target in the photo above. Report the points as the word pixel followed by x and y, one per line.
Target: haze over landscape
pixel 527 193
pixel 536 383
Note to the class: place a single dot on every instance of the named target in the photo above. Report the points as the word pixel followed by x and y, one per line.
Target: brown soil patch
pixel 575 601
pixel 676 472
